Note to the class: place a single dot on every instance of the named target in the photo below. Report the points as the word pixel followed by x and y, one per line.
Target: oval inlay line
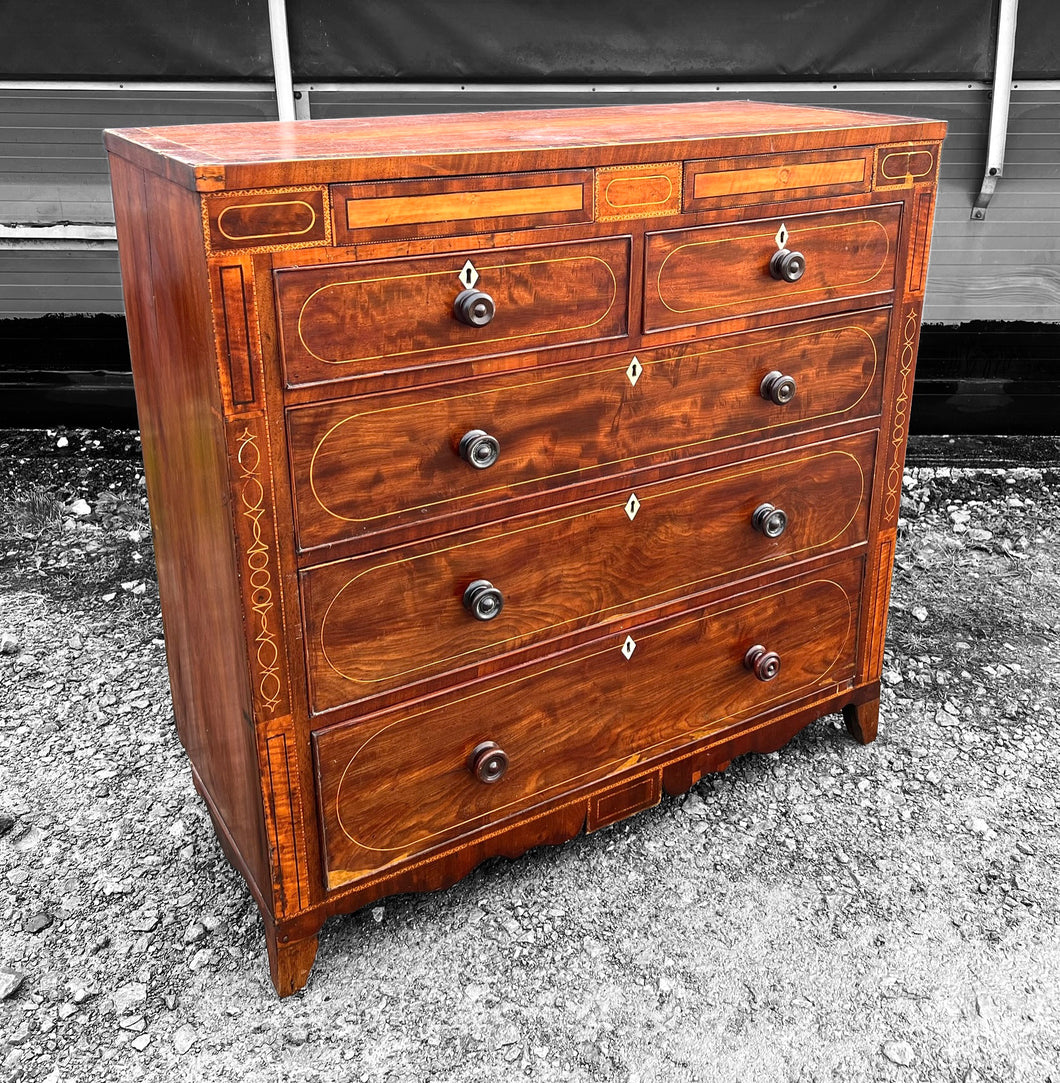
pixel 909 157
pixel 633 182
pixel 649 366
pixel 356 582
pixel 265 206
pixel 575 311
pixel 803 234
pixel 417 720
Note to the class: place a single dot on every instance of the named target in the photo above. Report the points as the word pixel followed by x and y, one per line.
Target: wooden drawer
pixel 382 621
pixel 450 206
pixel 710 273
pixel 398 782
pixel 364 465
pixel 770 178
pixel 353 319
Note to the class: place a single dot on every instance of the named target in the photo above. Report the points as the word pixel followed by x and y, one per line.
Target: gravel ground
pixel 830 911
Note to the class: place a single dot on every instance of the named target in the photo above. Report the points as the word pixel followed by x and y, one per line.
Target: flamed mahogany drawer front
pixel 352 319
pixel 366 464
pixel 385 620
pixel 403 781
pixel 708 273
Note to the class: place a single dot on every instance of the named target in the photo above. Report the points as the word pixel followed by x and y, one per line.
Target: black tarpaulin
pixel 526 40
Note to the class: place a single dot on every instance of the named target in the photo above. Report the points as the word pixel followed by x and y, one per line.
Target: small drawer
pixel 711 273
pixel 404 781
pixel 266 219
pixel 456 206
pixel 406 460
pixel 773 178
pixel 355 319
pixel 380 622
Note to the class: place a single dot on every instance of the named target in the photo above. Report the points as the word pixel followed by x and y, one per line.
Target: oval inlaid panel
pixel 379 622
pixel 375 462
pixel 347 319
pixel 400 782
pixel 718 272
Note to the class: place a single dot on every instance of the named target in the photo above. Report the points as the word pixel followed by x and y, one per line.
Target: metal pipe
pixel 998 136
pixel 281 60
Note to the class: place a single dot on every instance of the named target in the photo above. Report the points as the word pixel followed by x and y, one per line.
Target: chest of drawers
pixel 507 470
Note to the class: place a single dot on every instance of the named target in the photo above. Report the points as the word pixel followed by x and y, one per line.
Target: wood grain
pixel 374 462
pixel 268 218
pixel 715 272
pixel 343 320
pixel 209 157
pixel 187 470
pixel 384 621
pixel 558 738
pixel 762 178
pixel 461 205
pixel 303 389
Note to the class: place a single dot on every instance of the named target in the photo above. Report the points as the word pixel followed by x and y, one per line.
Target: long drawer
pixel 711 273
pixel 401 782
pixel 369 464
pixel 352 319
pixel 386 620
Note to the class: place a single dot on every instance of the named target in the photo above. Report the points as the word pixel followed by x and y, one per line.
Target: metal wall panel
pixel 37 283
pixel 1007 267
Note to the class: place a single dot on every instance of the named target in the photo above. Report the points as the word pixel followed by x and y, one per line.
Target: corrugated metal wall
pixel 52 170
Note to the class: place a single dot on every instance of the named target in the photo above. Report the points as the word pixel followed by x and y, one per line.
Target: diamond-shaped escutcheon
pixel 782 236
pixel 633 372
pixel 628 648
pixel 632 506
pixel 468 275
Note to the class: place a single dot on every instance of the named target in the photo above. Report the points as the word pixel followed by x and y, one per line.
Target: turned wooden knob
pixel 769 520
pixel 778 388
pixel 765 665
pixel 787 266
pixel 483 600
pixel 479 449
pixel 488 762
pixel 474 308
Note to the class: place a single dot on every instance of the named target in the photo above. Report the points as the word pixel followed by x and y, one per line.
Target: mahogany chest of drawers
pixel 509 469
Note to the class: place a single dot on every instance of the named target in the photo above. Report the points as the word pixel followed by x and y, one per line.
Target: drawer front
pixel 353 319
pixel 382 621
pixel 694 276
pixel 769 178
pixel 368 464
pixel 399 782
pixel 450 206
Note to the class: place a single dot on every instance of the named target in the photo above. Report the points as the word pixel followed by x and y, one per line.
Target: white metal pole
pixel 995 150
pixel 281 60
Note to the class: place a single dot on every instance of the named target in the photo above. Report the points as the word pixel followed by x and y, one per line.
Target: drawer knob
pixel 483 600
pixel 489 762
pixel 778 388
pixel 479 449
pixel 474 308
pixel 765 665
pixel 769 520
pixel 787 266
